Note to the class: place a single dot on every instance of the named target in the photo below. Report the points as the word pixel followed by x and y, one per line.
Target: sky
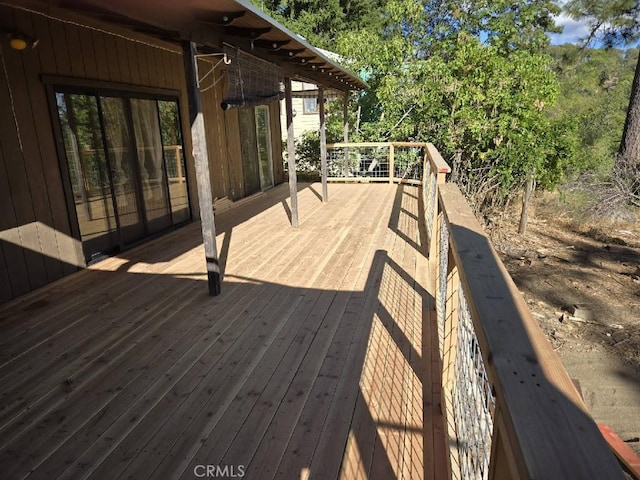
pixel 573 31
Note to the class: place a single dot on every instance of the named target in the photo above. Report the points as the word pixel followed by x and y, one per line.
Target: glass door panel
pixel 126 167
pixel 123 174
pixel 249 151
pixel 150 164
pixel 263 134
pixel 174 160
pixel 88 171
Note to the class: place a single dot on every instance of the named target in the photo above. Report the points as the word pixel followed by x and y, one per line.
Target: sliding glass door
pixel 153 181
pixel 126 167
pixel 257 160
pixel 121 156
pixel 263 139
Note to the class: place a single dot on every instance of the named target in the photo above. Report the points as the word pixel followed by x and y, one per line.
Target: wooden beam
pixel 289 52
pixel 201 159
pixel 305 59
pixel 247 32
pixel 291 154
pixel 222 20
pixel 273 45
pixel 323 145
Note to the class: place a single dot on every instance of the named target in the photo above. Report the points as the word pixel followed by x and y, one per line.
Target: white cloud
pixel 573 30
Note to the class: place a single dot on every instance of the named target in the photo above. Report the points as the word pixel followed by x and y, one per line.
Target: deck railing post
pixel 345 132
pixel 502 463
pixel 181 176
pixel 437 175
pixel 391 162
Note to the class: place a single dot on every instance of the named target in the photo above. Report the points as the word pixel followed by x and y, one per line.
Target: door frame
pixel 61 84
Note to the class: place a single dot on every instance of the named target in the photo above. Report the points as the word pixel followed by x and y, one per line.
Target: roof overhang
pixel 212 24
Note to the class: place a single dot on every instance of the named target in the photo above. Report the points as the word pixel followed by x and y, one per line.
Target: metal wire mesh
pixel 358 162
pixel 430 198
pixel 250 78
pixel 407 164
pixel 473 401
pixel 441 304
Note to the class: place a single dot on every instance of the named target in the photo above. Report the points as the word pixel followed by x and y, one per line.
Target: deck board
pixel 310 364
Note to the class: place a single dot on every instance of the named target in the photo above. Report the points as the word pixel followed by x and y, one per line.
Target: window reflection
pixel 126 167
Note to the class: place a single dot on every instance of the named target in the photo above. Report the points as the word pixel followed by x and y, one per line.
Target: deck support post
pixel 345 131
pixel 201 159
pixel 323 145
pixel 291 154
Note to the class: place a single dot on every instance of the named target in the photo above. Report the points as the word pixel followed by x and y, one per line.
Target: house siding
pixel 39 235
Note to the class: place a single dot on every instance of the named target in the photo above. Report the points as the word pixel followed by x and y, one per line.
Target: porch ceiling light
pixel 20 41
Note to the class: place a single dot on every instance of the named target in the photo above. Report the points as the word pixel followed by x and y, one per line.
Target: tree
pixel 594 94
pixel 472 77
pixel 475 81
pixel 322 21
pixel 617 22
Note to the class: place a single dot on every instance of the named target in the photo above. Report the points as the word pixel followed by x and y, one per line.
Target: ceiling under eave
pixel 213 23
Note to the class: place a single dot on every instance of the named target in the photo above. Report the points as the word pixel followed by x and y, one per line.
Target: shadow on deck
pixel 312 363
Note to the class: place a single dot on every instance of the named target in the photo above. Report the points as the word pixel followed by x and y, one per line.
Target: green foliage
pixel 322 21
pixel 595 85
pixel 308 152
pixel 474 80
pixel 472 77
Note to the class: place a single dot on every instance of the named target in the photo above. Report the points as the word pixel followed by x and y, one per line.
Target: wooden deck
pixel 309 365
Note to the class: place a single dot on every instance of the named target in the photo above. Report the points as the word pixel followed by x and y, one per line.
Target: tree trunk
pixel 526 203
pixel 630 145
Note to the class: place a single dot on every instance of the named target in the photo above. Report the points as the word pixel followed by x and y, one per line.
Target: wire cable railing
pixel 393 162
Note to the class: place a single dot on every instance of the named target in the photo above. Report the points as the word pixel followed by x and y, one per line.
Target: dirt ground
pixel 581 279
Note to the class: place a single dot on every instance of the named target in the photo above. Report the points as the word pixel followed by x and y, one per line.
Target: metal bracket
pixel 225 59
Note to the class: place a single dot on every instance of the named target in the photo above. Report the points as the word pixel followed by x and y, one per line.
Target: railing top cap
pixel 545 418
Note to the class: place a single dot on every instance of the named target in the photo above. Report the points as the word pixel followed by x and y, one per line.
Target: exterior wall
pixel 39 234
pixel 302 122
pixel 223 138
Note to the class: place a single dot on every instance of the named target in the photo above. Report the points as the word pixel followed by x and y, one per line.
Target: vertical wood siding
pixel 37 243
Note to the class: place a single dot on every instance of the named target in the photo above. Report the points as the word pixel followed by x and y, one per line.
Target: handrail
pixel 511 408
pixel 392 162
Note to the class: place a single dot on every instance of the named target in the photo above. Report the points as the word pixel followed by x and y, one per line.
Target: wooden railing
pixel 393 162
pixel 510 408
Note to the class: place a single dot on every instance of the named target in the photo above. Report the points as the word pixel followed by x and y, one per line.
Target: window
pixel 310 106
pixel 126 166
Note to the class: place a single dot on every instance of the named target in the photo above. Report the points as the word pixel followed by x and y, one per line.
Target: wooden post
pixel 201 159
pixel 323 146
pixel 392 156
pixel 530 187
pixel 345 131
pixel 181 175
pixel 502 463
pixel 291 154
